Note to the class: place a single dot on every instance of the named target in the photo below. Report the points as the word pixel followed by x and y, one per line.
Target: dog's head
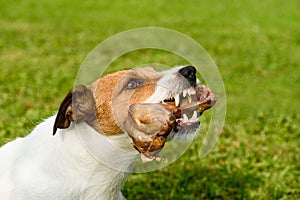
pixel 149 106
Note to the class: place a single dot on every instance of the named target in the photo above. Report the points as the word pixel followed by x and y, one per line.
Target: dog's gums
pixel 149 124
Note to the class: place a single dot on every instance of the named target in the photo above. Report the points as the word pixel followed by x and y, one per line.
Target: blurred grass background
pixel 255 44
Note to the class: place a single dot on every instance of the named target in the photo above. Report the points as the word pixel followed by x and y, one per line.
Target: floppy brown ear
pixel 78 106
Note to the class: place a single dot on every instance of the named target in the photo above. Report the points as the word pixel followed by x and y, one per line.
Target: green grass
pixel 255 44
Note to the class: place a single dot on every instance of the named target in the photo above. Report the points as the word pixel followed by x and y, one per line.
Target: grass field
pixel 255 44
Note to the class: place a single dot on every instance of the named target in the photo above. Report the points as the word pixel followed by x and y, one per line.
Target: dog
pixel 86 150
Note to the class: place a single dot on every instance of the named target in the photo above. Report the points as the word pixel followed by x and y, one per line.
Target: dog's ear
pixel 78 106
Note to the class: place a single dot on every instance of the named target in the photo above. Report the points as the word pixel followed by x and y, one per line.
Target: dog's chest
pixel 60 167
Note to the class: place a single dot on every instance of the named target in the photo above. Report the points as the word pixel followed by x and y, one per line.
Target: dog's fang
pixel 185 118
pixel 191 91
pixel 189 98
pixel 194 117
pixel 184 93
pixel 177 99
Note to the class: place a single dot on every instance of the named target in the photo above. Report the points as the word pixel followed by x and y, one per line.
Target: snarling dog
pixel 86 149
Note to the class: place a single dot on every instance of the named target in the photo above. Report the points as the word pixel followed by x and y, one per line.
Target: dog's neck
pixel 115 152
pixel 106 160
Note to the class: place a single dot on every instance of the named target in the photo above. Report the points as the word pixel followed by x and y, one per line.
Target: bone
pixel 150 118
pixel 149 125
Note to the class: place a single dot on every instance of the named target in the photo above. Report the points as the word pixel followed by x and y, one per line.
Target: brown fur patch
pixel 103 92
pixel 112 99
pixel 143 93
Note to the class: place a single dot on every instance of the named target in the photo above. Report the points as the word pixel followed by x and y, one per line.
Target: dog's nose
pixel 189 72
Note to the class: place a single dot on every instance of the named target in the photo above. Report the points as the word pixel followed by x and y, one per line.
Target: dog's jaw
pixel 187 104
pixel 174 86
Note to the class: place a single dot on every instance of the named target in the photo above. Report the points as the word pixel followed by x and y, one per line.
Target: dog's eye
pixel 133 84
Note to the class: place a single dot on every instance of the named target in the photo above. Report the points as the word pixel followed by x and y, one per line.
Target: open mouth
pixel 189 105
pixel 149 124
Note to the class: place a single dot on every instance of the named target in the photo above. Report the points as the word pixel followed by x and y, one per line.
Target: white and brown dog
pixel 85 151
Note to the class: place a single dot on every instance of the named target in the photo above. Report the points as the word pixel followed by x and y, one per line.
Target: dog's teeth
pixel 185 118
pixel 191 91
pixel 184 93
pixel 176 100
pixel 189 98
pixel 194 117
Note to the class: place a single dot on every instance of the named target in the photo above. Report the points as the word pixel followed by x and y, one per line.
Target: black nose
pixel 189 72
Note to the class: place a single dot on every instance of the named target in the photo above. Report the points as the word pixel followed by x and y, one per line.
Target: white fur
pixel 169 85
pixel 43 166
pixel 77 162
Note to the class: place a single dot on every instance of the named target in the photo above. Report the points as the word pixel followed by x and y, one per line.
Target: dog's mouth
pixel 149 124
pixel 189 105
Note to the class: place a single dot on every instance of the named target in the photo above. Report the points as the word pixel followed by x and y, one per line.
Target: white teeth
pixel 189 98
pixel 184 93
pixel 185 118
pixel 176 100
pixel 191 91
pixel 194 117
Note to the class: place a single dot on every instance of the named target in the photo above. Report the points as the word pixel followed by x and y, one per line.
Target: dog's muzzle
pixel 149 124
